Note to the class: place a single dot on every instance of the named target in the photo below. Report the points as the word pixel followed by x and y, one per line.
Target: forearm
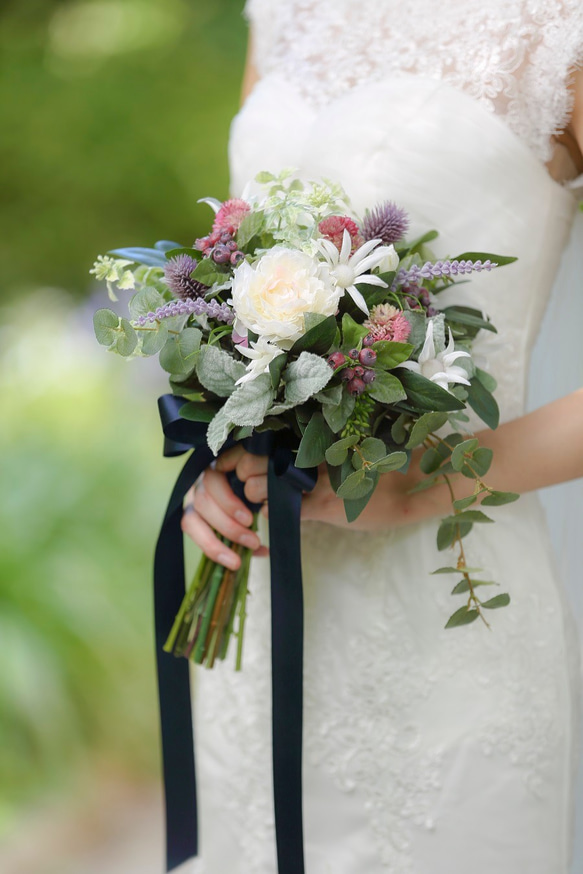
pixel 539 449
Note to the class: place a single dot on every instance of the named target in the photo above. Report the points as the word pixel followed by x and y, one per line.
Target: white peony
pixel 272 297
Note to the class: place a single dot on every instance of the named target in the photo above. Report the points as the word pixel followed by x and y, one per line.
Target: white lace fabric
pixel 515 57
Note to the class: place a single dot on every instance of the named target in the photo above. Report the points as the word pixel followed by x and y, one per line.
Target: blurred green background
pixel 114 120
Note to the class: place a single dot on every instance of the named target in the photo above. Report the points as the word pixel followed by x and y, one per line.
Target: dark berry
pixel 367 356
pixel 368 340
pixel 337 359
pixel 353 354
pixel 356 386
pixel 236 258
pixel 221 254
pixel 232 246
pixel 347 373
pixel 225 238
pixel 368 376
pixel 358 370
pixel 431 311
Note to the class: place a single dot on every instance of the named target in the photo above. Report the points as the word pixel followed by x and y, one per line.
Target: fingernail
pixel 228 559
pixel 250 541
pixel 243 517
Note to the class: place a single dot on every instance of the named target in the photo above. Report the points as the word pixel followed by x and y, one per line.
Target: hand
pixel 212 506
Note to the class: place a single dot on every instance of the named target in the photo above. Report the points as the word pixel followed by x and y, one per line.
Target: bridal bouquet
pixel 292 316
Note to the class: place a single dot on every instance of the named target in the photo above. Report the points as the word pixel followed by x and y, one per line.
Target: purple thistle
pixel 386 222
pixel 177 274
pixel 222 312
pixel 434 270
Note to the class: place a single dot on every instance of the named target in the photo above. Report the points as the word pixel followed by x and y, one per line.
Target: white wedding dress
pixel 425 751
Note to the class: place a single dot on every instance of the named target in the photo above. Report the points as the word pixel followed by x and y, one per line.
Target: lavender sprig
pixel 222 312
pixel 434 270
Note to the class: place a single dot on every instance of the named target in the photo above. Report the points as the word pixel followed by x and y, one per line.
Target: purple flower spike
pixel 386 222
pixel 221 312
pixel 430 270
pixel 177 274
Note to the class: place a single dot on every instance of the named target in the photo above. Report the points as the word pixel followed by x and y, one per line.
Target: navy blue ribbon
pixel 285 486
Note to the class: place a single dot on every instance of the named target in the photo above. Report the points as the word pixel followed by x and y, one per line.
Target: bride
pixel 426 751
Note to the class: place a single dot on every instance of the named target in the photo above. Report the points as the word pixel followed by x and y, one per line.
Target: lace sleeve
pixel 262 18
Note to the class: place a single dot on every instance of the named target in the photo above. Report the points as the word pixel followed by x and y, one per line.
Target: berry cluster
pixel 358 375
pixel 417 296
pixel 220 245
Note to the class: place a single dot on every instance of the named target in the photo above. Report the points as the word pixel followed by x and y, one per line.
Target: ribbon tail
pixel 173 676
pixel 287 624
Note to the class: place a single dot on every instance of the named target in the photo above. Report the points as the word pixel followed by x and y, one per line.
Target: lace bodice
pixel 513 56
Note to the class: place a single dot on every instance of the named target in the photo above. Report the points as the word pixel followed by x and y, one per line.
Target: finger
pixel 217 486
pixel 214 515
pixel 205 538
pixel 256 489
pixel 251 465
pixel 228 460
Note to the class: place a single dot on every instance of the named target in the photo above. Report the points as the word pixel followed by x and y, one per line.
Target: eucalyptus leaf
pixel 424 426
pixel 481 460
pixel 468 516
pixel 305 377
pixel 393 461
pixel 353 508
pixel 179 353
pixel 430 460
pixel 106 326
pixel 486 379
pixel 127 339
pixel 373 449
pixel 497 499
pixel 463 616
pixel 315 441
pixel 398 430
pixel 466 447
pixel 464 586
pixel 153 338
pixel 145 301
pixel 502 600
pixel 356 485
pixel 464 503
pixel 218 371
pixel 456 570
pixel 446 534
pixel 337 453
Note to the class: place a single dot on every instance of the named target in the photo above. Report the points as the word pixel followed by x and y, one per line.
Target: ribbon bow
pixel 285 486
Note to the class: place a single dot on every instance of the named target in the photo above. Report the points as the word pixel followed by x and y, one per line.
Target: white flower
pixel 272 297
pixel 391 260
pixel 113 271
pixel 347 270
pixel 439 367
pixel 261 355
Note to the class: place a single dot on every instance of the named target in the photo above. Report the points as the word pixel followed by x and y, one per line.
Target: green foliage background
pixel 114 119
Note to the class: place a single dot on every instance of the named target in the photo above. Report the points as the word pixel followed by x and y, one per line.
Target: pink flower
pixel 386 322
pixel 230 215
pixel 333 229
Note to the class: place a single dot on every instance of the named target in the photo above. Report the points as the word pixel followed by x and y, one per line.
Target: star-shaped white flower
pixel 346 269
pixel 439 367
pixel 261 353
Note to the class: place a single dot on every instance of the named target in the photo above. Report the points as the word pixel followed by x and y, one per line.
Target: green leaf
pixel 305 377
pixel 337 453
pixel 498 601
pixel 315 441
pixel 446 534
pixel 464 503
pixel 356 485
pixel 386 388
pixel 147 300
pixel 250 227
pixel 405 248
pixel 166 245
pixel 153 338
pixel 352 333
pixel 318 338
pixel 500 260
pixel 391 354
pixel 141 255
pixel 338 473
pixel 106 326
pixel 182 250
pixel 430 460
pixel 418 323
pixel 218 431
pixel 198 412
pixel 464 586
pixel 481 460
pixel 468 316
pixel 276 366
pixel 463 616
pixel 398 431
pixel 456 570
pixel 218 371
pixel 483 403
pixel 497 499
pixel 486 379
pixel 373 449
pixel 426 395
pixel 466 447
pixel 353 508
pixel 468 516
pixel 179 353
pixel 331 396
pixel 209 273
pixel 263 177
pixel 338 416
pixel 393 461
pixel 424 426
pixel 127 339
pixel 249 403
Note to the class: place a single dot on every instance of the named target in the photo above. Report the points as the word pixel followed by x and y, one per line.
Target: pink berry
pixel 367 356
pixel 347 374
pixel 221 254
pixel 368 376
pixel 353 354
pixel 337 359
pixel 358 370
pixel 356 386
pixel 368 340
pixel 236 258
